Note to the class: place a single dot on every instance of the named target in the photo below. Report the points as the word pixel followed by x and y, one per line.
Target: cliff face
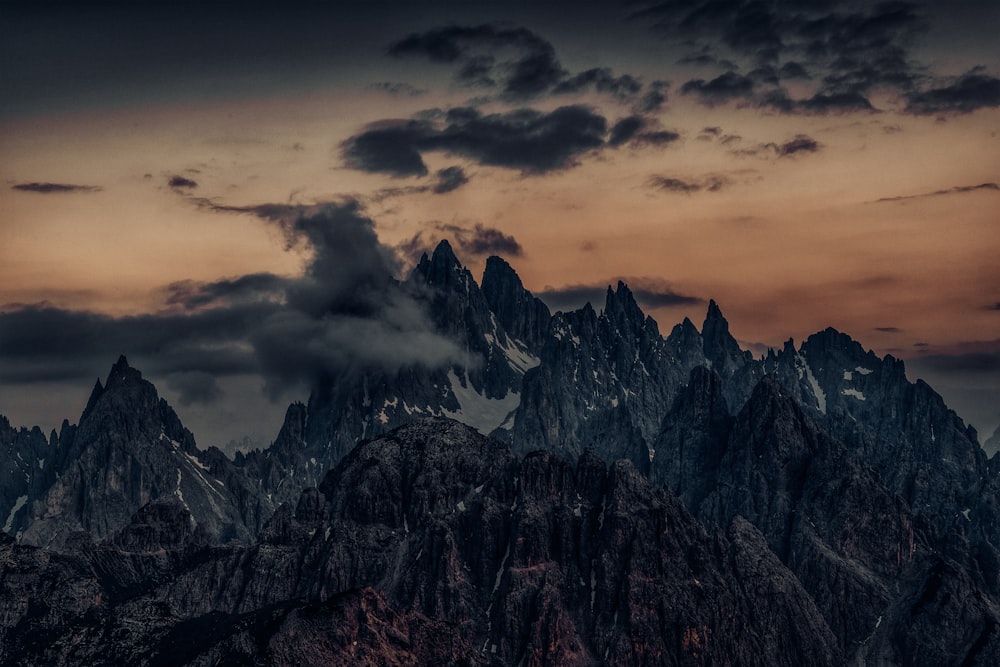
pixel 432 545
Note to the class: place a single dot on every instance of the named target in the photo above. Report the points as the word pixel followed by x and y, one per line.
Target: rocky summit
pixel 581 490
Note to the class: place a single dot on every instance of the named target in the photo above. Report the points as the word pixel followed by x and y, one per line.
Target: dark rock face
pixel 24 454
pixel 522 315
pixel 920 449
pixel 858 549
pixel 367 402
pixel 604 383
pixel 432 545
pixel 129 449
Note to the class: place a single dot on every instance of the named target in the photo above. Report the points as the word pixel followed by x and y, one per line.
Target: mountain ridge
pixel 821 467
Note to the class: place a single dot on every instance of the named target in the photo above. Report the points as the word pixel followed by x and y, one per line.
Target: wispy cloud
pixel 180 182
pixel 54 188
pixel 957 190
pixel 711 183
pixel 799 144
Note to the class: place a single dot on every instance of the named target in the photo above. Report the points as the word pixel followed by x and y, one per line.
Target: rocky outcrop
pixel 430 545
pixel 129 449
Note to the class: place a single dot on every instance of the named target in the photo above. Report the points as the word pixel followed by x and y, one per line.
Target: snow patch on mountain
pixel 481 413
pixel 18 504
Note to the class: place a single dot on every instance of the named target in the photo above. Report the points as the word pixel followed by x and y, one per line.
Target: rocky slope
pixel 129 449
pixel 431 545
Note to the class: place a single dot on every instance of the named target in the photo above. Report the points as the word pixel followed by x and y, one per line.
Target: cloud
pixel 54 188
pixel 178 182
pixel 528 64
pixel 398 89
pixel 723 88
pixel 800 143
pixel 601 79
pixel 445 180
pixel 847 51
pixel 477 240
pixel 995 306
pixel 654 98
pixel 531 141
pixel 957 190
pixel 389 147
pixel 977 363
pixel 192 295
pixel 711 183
pixel 521 64
pixel 887 329
pixel 964 94
pixel 650 292
pixel 346 312
pixel 625 129
pixel 448 179
pixel 634 130
pixel 194 387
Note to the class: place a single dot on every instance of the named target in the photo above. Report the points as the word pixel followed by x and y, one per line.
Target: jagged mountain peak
pixel 522 314
pixel 443 269
pixel 122 373
pixel 719 346
pixel 621 308
pixel 499 270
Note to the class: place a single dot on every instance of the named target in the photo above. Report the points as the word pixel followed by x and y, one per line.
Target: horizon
pixel 186 187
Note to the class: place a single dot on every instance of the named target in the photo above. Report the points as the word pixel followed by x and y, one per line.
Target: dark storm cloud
pixel 635 130
pixel 820 103
pixel 389 148
pixel 962 189
pixel 529 65
pixel 194 387
pixel 42 343
pixel 625 129
pixel 669 184
pixel 53 188
pixel 193 295
pixel 448 179
pixel 179 182
pixel 649 292
pixel 973 90
pixel 723 88
pixel 531 141
pixel 602 80
pixel 848 50
pixel 520 63
pixel 654 98
pixel 346 312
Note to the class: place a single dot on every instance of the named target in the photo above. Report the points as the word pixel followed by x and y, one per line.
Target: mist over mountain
pixel 568 488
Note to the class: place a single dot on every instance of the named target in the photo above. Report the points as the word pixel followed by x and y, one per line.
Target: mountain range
pixel 583 490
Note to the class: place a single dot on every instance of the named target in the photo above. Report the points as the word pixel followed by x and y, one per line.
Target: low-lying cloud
pixel 346 313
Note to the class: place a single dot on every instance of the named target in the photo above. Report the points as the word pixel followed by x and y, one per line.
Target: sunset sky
pixel 806 164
